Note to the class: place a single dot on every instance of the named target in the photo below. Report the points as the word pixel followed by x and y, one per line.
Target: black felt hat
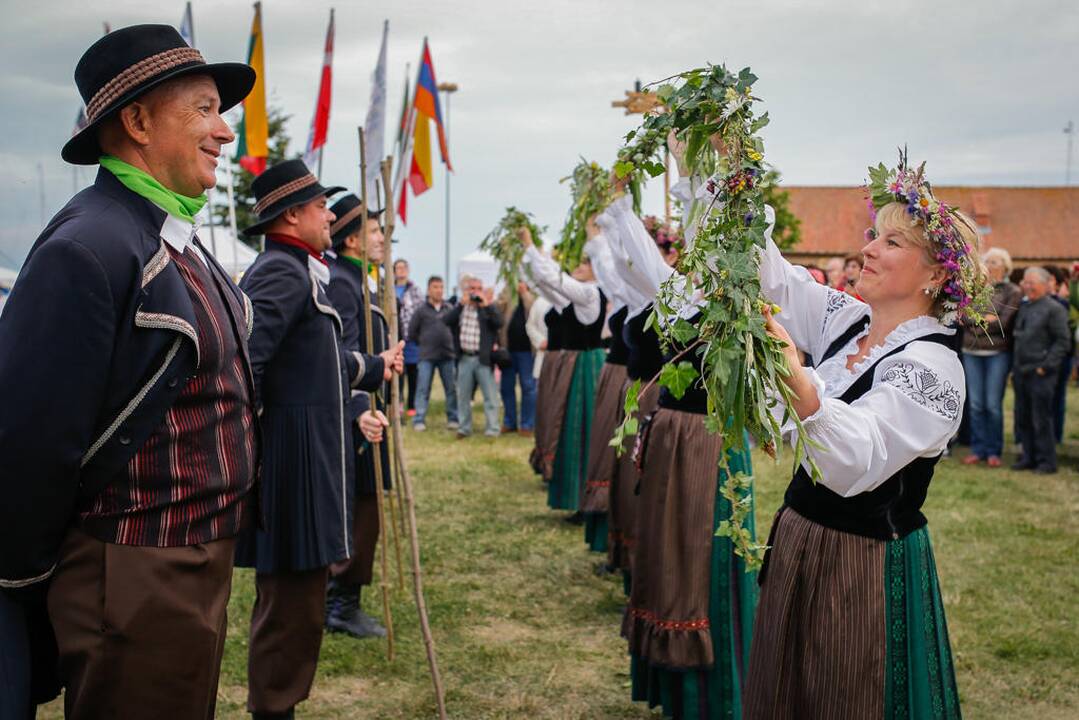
pixel 130 61
pixel 347 210
pixel 284 185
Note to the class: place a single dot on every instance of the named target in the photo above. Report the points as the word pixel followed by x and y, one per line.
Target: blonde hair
pixel 1000 254
pixel 895 217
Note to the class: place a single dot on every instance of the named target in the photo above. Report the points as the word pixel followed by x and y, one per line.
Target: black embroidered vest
pixel 578 336
pixel 890 511
pixel 695 399
pixel 553 321
pixel 618 354
pixel 645 353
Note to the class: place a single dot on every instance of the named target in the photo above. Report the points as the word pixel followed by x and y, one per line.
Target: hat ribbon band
pixel 346 219
pixel 287 189
pixel 137 74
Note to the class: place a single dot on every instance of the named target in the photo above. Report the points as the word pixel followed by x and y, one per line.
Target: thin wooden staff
pixel 376 448
pixel 397 516
pixel 406 481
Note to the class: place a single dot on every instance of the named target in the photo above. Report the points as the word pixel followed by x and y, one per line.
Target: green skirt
pixel 715 692
pixel 849 626
pixel 571 457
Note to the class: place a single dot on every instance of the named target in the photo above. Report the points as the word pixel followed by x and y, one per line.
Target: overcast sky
pixel 980 90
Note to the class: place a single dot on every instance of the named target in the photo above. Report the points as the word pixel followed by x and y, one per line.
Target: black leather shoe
pixel 1023 465
pixel 343 612
pixel 289 714
pixel 1045 470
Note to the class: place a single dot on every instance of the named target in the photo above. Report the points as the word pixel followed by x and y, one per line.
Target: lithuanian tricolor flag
pixel 254 131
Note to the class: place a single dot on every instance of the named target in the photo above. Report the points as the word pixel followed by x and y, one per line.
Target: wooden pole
pixel 376 448
pixel 406 481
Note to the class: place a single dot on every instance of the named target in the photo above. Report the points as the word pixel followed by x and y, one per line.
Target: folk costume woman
pixel 610 392
pixel 691 603
pixel 582 348
pixel 552 386
pixel 851 622
pixel 644 359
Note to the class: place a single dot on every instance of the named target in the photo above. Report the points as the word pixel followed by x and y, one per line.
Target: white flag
pixel 375 124
pixel 187 27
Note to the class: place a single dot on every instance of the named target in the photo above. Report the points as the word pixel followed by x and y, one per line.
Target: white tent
pixel 233 254
pixel 7 279
pixel 479 264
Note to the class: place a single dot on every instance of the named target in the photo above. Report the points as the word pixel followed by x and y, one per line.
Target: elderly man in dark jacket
pixel 437 352
pixel 128 437
pixel 1040 346
pixel 302 378
pixel 475 323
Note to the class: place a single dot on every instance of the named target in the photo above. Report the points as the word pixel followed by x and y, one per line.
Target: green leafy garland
pixel 742 366
pixel 504 246
pixel 590 188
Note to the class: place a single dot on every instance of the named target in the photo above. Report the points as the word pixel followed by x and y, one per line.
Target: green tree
pixel 242 179
pixel 788 229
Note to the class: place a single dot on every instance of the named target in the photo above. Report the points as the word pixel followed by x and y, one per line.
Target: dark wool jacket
pixel 1041 336
pixel 346 293
pixel 302 380
pixel 430 331
pixel 490 321
pixel 98 339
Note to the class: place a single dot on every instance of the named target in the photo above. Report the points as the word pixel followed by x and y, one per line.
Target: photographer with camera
pixel 474 323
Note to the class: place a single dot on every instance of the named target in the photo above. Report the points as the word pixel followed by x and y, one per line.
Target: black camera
pixel 476 299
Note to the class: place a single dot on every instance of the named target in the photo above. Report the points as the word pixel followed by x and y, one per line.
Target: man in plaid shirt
pixel 475 323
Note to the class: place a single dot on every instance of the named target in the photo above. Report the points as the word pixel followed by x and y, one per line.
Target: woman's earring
pixel 927 291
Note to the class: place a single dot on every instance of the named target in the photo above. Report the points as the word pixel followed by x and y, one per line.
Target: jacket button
pixel 173 382
pixel 125 440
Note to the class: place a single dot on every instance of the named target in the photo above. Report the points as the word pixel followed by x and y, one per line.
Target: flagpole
pixel 448 89
pixel 232 218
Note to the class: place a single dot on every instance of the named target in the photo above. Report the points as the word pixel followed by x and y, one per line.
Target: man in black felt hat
pixel 128 436
pixel 303 376
pixel 357 237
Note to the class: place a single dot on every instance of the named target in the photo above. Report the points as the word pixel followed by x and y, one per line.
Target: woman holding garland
pixel 850 622
pixel 581 327
pixel 644 359
pixel 690 613
pixel 610 392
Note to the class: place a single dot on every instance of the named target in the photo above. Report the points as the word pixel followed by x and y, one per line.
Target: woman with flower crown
pixel 850 622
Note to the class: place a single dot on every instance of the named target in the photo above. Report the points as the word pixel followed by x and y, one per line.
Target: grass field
pixel 526 629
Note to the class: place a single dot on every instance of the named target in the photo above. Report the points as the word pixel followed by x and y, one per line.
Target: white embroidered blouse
pixel 916 400
pixel 558 287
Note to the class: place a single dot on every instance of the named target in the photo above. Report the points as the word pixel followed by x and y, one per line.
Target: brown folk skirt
pixel 623 490
pixel 556 376
pixel 819 639
pixel 602 462
pixel 667 622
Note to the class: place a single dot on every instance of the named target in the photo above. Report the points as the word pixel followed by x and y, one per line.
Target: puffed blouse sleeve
pixel 912 410
pixel 548 276
pixel 807 308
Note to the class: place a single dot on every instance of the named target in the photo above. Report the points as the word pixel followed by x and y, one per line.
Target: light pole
pixel 448 89
pixel 1069 130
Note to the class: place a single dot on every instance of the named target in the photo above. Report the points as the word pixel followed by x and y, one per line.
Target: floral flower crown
pixel 666 235
pixel 966 291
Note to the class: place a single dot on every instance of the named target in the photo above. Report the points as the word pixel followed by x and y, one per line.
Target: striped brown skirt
pixel 602 461
pixel 849 627
pixel 667 622
pixel 551 394
pixel 623 491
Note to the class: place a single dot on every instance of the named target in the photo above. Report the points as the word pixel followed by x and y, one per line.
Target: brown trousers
pixel 286 636
pixel 358 570
pixel 140 630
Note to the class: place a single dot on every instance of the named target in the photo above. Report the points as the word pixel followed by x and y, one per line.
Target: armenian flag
pixel 252 149
pixel 424 111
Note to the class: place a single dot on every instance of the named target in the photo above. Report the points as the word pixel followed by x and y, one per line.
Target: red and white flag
pixel 320 123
